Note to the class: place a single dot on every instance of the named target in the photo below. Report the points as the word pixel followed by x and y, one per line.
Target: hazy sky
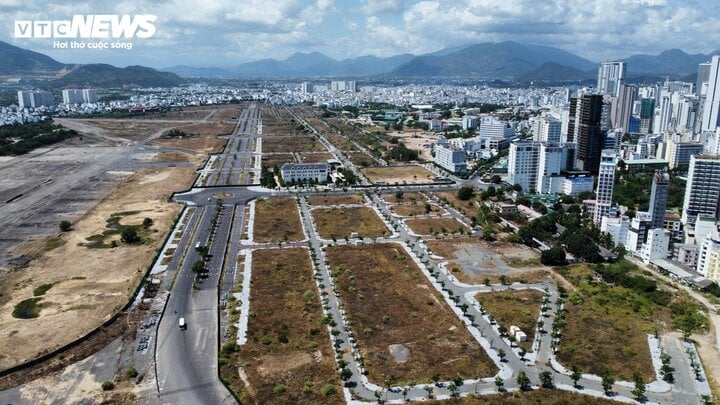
pixel 228 32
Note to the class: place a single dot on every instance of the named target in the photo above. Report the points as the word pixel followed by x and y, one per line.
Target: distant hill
pixel 672 62
pixel 505 60
pixel 103 75
pixel 18 61
pixel 553 72
pixel 199 72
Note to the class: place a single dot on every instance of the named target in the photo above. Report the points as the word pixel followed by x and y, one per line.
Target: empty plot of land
pixel 288 358
pixel 467 208
pixel 75 288
pixel 342 222
pixel 398 174
pixel 336 199
pixel 292 144
pixel 518 308
pixel 411 210
pixel 419 140
pixel 135 130
pixel 277 220
pixel 404 198
pixel 277 159
pixel 204 137
pixel 316 157
pixel 406 332
pixel 360 158
pixel 434 226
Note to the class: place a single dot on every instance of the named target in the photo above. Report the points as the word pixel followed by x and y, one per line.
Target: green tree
pixel 546 379
pixel 198 266
pixel 576 375
pixel 501 354
pixel 147 222
pixel 554 256
pixel 608 379
pixel 65 226
pixel 523 381
pixel 131 373
pixel 499 383
pixel 435 378
pixel 465 193
pixel 130 236
pixel 328 390
pixel 639 390
pixel 452 388
pixel 429 390
pixel 107 385
pixel 495 179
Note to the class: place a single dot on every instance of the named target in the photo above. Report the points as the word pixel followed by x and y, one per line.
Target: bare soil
pixel 398 174
pixel 277 220
pixel 342 222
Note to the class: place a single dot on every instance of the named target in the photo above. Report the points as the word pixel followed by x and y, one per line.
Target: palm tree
pixel 429 390
pixel 499 382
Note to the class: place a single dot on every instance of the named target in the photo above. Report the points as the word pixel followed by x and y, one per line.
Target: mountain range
pixel 508 60
pixel 23 63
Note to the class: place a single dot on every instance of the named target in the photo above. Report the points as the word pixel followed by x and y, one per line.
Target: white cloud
pixel 373 7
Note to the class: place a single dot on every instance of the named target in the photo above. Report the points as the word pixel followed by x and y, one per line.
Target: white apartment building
pixel 606 180
pixel 709 258
pixel 450 158
pixel 657 245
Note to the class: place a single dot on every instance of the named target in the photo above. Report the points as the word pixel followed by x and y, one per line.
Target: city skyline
pixel 226 33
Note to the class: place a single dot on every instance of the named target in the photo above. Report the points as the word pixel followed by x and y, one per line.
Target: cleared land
pixel 433 226
pixel 292 144
pixel 88 285
pixel 419 140
pixel 603 329
pixel 277 159
pixel 135 130
pixel 288 358
pixel 316 157
pixel 205 137
pixel 519 308
pixel 467 208
pixel 336 199
pixel 411 210
pixel 277 220
pixel 340 223
pixel 404 329
pixel 398 174
pixel 404 198
pixel 360 158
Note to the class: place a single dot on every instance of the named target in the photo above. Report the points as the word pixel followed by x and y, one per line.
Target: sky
pixel 225 33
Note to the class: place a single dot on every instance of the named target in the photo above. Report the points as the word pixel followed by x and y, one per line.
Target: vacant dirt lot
pixel 316 157
pixel 88 285
pixel 398 174
pixel 277 159
pixel 206 141
pixel 336 199
pixel 419 140
pixel 519 308
pixel 405 331
pixel 467 208
pixel 404 198
pixel 286 345
pixel 411 210
pixel 340 223
pixel 277 220
pixel 292 144
pixel 135 130
pixel 432 226
pixel 360 158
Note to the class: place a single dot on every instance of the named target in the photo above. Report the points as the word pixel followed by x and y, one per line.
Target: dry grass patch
pixel 341 222
pixel 288 349
pixel 432 226
pixel 276 159
pixel 99 279
pixel 361 159
pixel 336 199
pixel 292 144
pixel 276 220
pixel 467 208
pixel 398 174
pixel 545 397
pixel 404 198
pixel 411 210
pixel 316 157
pixel 390 303
pixel 519 308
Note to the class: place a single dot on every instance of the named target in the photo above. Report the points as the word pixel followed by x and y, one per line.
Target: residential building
pixel 711 110
pixel 678 153
pixel 647 113
pixel 493 128
pixel 702 192
pixel 637 234
pixel 523 164
pixel 708 263
pixel 587 130
pixel 606 180
pixel 306 88
pixel 622 105
pixel 617 228
pixel 469 122
pixel 305 173
pixel 90 96
pixel 547 129
pixel 576 185
pixel 35 99
pixel 611 76
pixel 79 96
pixel 450 158
pixel 658 199
pixel 343 85
pixel 656 246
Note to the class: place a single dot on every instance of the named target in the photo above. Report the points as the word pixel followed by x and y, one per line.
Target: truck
pixel 182 324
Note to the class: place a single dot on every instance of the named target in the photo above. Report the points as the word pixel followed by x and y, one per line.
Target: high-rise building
pixel 709 258
pixel 586 129
pixel 606 182
pixel 711 111
pixel 678 153
pixel 702 77
pixel 306 88
pixel 611 76
pixel 79 96
pixel 343 85
pixel 702 192
pixel 523 164
pixel 34 99
pixel 647 112
pixel 658 199
pixel 450 158
pixel 622 107
pixel 547 129
pixel 537 166
pixel 90 95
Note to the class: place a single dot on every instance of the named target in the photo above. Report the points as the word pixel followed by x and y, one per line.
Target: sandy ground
pixel 398 174
pixel 418 140
pixel 89 285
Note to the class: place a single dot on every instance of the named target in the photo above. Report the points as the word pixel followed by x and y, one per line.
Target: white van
pixel 182 323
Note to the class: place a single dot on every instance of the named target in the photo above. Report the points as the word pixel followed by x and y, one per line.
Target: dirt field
pixel 432 226
pixel 418 140
pixel 336 199
pixel 277 220
pixel 286 344
pixel 409 210
pixel 544 397
pixel 405 198
pixel 207 140
pixel 316 157
pixel 360 159
pixel 403 328
pixel 93 283
pixel 398 174
pixel 467 208
pixel 519 308
pixel 292 144
pixel 135 130
pixel 340 223
pixel 277 159
pixel 179 157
